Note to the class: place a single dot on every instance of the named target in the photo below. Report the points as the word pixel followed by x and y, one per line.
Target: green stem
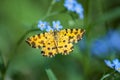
pixel 73 18
pixel 50 74
pixel 49 9
pixel 54 13
pixel 107 75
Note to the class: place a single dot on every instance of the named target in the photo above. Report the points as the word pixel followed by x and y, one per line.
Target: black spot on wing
pixel 54 48
pixel 65 51
pixel 28 42
pixel 76 29
pixel 42 52
pixel 43 34
pixel 66 30
pixel 82 30
pixel 63 40
pixel 48 48
pixel 38 46
pixel 28 39
pixel 48 43
pixel 72 48
pixel 35 39
pixel 39 36
pixel 50 53
pixel 41 42
pixel 75 32
pixel 44 46
pixel 33 44
pixel 46 37
pixel 65 46
pixel 71 30
pixel 33 36
pixel 65 34
pixel 70 37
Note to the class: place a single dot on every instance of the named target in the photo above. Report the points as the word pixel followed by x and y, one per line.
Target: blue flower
pixel 109 63
pixel 100 47
pixel 69 6
pixel 81 15
pixel 71 1
pixel 115 61
pixel 56 25
pixel 45 26
pixel 115 64
pixel 48 29
pixel 109 44
pixel 115 40
pixel 117 67
pixel 74 6
pixel 42 25
pixel 79 10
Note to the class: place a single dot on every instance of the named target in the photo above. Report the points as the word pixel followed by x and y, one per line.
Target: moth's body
pixel 54 42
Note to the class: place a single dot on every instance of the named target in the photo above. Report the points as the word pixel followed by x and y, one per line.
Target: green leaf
pixel 50 74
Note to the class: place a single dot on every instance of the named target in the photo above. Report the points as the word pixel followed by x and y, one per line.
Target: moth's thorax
pixel 55 34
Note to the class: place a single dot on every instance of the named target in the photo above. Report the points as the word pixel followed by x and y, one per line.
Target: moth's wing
pixel 63 44
pixel 45 41
pixel 74 34
pixel 36 41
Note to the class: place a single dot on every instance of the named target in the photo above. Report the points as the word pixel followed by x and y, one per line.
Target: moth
pixel 56 42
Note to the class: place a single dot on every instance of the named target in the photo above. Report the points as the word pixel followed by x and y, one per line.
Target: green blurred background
pixel 18 20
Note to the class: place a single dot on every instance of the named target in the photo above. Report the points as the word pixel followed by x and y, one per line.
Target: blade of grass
pixel 50 74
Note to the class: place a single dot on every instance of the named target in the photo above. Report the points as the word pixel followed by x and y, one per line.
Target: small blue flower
pixel 81 15
pixel 45 26
pixel 70 1
pixel 100 47
pixel 115 40
pixel 117 67
pixel 78 8
pixel 115 64
pixel 42 25
pixel 69 6
pixel 57 26
pixel 48 29
pixel 115 61
pixel 74 6
pixel 109 63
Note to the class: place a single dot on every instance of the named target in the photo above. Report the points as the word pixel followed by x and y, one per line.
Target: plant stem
pixel 107 75
pixel 49 9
